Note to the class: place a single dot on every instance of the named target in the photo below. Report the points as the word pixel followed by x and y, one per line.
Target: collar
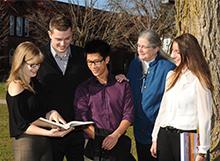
pixel 56 54
pixel 111 80
pixel 155 60
pixel 147 63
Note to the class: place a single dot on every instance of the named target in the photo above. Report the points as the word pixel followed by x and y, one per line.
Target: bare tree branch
pixel 4 28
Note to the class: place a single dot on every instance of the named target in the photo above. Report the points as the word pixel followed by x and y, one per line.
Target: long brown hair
pixel 192 58
pixel 24 52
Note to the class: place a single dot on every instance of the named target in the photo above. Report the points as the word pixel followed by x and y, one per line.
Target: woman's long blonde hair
pixel 24 52
pixel 191 57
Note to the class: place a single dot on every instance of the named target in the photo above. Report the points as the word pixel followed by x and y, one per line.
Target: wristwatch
pixel 202 155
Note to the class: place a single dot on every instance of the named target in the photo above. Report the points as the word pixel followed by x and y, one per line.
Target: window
pixel 165 1
pixel 11 25
pixel 1 27
pixel 10 54
pixel 19 26
pixel 26 27
pixel 166 44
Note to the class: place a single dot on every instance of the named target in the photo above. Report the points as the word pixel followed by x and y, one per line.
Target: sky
pixel 100 4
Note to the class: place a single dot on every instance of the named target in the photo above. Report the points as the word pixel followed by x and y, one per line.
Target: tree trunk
pixel 202 19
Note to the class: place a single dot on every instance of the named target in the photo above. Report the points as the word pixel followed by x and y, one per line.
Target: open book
pixel 72 124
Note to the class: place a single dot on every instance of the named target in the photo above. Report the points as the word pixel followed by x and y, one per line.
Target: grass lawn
pixel 2 90
pixel 133 147
pixel 5 141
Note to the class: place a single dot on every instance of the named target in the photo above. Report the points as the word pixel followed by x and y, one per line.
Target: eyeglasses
pixel 143 46
pixel 97 62
pixel 33 66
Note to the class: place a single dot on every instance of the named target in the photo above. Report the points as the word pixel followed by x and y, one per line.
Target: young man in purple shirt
pixel 106 102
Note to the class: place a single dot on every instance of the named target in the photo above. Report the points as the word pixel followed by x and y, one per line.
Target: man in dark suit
pixel 62 70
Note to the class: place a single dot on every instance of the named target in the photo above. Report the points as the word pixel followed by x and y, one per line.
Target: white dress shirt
pixel 186 106
pixel 145 65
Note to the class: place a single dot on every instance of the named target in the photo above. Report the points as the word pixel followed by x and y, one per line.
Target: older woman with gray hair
pixel 147 75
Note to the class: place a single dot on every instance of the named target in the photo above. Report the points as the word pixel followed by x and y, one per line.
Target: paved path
pixel 2 101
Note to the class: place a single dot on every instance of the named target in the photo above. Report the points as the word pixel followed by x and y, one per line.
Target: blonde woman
pixel 186 103
pixel 24 107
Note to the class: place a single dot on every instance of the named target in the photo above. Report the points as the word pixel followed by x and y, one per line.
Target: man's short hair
pixel 97 46
pixel 60 22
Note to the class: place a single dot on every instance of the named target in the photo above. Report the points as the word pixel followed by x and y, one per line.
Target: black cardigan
pixel 59 89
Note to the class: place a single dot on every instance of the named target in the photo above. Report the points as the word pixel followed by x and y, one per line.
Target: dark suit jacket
pixel 59 89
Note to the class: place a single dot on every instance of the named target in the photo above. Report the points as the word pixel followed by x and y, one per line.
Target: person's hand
pixel 58 132
pixel 153 149
pixel 109 142
pixel 55 116
pixel 200 158
pixel 121 77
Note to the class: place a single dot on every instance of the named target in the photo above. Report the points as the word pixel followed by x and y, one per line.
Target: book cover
pixel 71 124
pixel 188 146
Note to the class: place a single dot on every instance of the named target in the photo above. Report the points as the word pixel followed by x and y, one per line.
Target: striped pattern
pixel 188 146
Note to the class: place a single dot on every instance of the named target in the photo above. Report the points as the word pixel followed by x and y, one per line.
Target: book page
pixel 53 124
pixel 79 123
pixel 71 124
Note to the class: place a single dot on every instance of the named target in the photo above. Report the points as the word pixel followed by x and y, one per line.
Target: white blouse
pixel 186 106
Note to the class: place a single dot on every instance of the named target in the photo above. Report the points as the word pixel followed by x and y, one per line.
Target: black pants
pixel 143 152
pixel 71 146
pixel 168 145
pixel 120 152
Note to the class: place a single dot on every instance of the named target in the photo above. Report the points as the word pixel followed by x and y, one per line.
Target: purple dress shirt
pixel 107 105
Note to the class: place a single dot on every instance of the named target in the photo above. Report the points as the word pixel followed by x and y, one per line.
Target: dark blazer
pixel 59 89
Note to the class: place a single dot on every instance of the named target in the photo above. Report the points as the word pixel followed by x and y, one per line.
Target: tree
pixel 88 23
pixel 118 25
pixel 202 19
pixel 145 14
pixel 4 29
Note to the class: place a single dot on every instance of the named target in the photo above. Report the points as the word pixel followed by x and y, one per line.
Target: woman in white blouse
pixel 186 103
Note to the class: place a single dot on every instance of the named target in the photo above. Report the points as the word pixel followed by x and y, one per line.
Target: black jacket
pixel 59 89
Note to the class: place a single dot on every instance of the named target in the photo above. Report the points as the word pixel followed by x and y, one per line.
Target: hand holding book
pixel 54 115
pixel 54 132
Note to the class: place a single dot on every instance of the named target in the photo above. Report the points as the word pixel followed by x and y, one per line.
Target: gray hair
pixel 152 37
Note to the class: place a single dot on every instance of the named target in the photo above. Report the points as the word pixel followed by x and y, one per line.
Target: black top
pixel 59 88
pixel 23 109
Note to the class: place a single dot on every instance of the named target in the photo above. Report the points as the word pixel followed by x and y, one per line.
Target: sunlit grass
pixel 2 90
pixel 133 146
pixel 5 140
